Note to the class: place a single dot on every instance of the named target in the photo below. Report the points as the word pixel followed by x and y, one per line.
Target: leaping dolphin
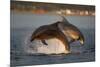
pixel 71 31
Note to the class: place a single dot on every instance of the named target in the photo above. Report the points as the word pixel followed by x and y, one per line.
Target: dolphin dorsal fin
pixel 64 19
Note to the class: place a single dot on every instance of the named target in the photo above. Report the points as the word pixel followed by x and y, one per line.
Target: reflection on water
pixel 79 53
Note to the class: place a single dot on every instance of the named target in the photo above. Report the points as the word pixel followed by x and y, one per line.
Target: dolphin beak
pixel 81 40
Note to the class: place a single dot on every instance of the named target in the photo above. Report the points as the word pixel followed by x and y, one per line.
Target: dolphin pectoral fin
pixel 43 41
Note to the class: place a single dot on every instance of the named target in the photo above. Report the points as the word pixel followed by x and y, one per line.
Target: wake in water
pixel 55 46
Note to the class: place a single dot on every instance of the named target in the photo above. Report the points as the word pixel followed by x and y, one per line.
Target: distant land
pixel 52 8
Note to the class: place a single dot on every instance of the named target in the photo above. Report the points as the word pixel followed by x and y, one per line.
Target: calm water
pixel 79 53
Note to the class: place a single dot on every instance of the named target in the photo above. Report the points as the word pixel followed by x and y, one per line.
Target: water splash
pixel 55 46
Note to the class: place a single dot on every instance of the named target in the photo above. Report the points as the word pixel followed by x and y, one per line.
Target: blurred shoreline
pixel 49 13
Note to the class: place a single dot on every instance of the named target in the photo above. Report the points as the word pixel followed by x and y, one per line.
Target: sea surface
pixel 20 29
